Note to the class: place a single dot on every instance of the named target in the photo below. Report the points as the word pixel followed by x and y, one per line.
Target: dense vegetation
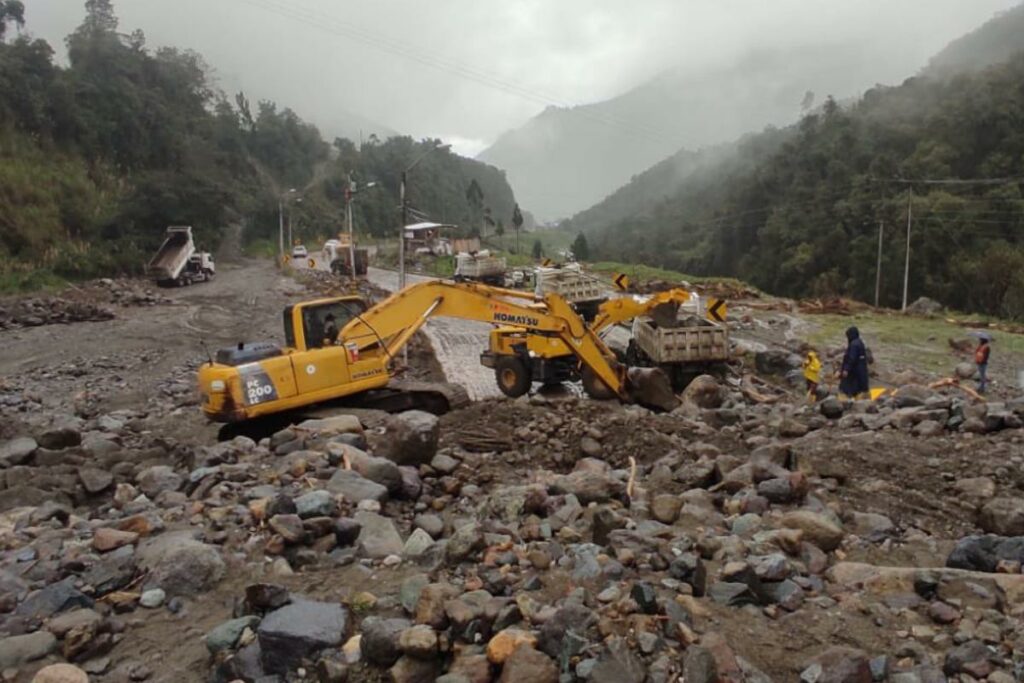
pixel 98 157
pixel 797 211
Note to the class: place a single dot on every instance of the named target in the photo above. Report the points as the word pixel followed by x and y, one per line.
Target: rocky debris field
pixel 529 540
pixel 94 301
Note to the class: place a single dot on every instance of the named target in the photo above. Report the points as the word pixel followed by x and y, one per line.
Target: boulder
pixel 527 664
pixel 419 641
pixel 154 480
pixel 379 470
pixel 225 636
pixel 53 599
pixel 466 540
pixel 291 633
pixel 411 438
pixel 60 673
pixel 180 565
pixel 356 488
pixel 831 407
pixel 1003 516
pixel 817 529
pixel 330 426
pixel 381 640
pixel 704 392
pixel 838 665
pixel 16 651
pixel 504 643
pixel 378 536
pixel 17 451
pixel 776 362
pixel 319 503
pixel 983 553
pixel 665 507
pixel 95 480
pixel 924 306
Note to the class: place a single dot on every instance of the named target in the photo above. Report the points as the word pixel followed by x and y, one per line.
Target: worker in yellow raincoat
pixel 812 373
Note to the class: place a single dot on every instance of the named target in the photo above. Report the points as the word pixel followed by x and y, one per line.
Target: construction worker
pixel 981 354
pixel 854 373
pixel 812 373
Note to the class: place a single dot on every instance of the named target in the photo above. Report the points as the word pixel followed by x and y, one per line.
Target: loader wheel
pixel 513 377
pixel 594 387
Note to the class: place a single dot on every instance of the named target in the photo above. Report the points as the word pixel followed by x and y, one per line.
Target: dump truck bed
pixel 173 255
pixel 697 341
pixel 570 284
pixel 479 266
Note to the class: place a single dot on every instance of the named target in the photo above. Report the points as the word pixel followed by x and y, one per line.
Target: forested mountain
pixel 566 159
pixel 98 157
pixel 797 211
pixel 994 42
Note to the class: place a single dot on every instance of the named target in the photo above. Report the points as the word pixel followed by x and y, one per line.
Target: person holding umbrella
pixel 981 354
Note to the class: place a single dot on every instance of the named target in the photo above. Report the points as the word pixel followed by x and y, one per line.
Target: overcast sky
pixel 467 70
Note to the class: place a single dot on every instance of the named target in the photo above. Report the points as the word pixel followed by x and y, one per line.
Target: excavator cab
pixel 322 321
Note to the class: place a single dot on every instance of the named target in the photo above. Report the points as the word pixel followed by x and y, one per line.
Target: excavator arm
pixel 389 325
pixel 625 308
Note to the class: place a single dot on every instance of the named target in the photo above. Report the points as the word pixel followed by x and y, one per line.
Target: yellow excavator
pixel 520 357
pixel 339 347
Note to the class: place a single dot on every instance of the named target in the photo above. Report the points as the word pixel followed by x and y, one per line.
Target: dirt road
pixel 457 343
pixel 145 351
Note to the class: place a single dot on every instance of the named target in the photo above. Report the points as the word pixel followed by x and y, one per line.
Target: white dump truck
pixel 480 266
pixel 177 263
pixel 583 291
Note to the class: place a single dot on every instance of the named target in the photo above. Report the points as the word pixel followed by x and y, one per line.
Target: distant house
pixel 426 238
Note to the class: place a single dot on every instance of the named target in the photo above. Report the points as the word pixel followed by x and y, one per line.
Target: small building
pixel 425 237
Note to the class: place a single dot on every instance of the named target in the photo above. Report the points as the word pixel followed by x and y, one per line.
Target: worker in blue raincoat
pixel 854 373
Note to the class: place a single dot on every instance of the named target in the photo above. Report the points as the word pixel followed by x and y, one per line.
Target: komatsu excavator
pixel 340 347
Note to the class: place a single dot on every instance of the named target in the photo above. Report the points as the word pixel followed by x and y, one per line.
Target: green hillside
pixel 98 157
pixel 797 211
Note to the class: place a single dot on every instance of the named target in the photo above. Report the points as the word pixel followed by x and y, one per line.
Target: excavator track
pixel 398 396
pixel 401 395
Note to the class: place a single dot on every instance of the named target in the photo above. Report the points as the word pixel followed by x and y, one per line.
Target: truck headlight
pixel 217 385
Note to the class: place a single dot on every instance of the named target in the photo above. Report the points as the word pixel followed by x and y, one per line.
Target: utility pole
pixel 878 268
pixel 906 267
pixel 401 234
pixel 280 229
pixel 291 241
pixel 351 235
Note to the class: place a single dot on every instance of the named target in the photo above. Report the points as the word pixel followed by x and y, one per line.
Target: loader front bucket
pixel 651 388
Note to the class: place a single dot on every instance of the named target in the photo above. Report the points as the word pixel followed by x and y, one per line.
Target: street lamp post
pixel 405 218
pixel 280 222
pixel 350 195
pixel 401 234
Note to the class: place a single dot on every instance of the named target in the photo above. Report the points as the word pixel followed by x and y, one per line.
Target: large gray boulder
pixel 1003 516
pixel 296 631
pixel 180 565
pixel 411 438
pixel 355 487
pixel 17 451
pixel 378 536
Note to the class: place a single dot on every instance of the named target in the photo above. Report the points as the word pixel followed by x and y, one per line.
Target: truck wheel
pixel 512 375
pixel 594 387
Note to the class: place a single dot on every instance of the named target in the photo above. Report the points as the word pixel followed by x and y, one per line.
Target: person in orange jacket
pixel 981 354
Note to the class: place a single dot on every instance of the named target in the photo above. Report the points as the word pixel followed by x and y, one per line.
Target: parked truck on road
pixel 177 262
pixel 480 266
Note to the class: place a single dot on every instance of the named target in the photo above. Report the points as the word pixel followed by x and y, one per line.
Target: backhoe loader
pixel 340 347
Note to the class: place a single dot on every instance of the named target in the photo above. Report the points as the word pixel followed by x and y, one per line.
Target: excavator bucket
pixel 651 388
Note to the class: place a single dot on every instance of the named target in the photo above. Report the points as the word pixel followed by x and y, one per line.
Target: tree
pixel 538 249
pixel 499 230
pixel 580 248
pixel 517 222
pixel 11 11
pixel 475 197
